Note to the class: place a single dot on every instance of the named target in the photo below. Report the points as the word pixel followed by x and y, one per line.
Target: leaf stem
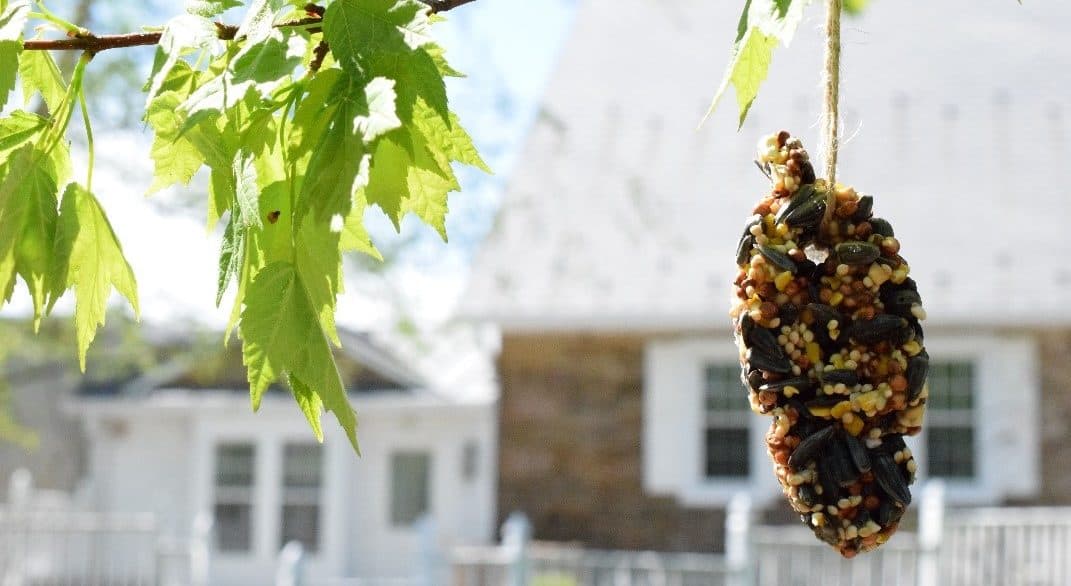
pixel 62 119
pixel 47 15
pixel 89 129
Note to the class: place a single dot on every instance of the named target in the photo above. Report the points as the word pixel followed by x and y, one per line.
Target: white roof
pixel 621 215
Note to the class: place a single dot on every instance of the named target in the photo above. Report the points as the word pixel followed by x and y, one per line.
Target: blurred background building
pixel 582 372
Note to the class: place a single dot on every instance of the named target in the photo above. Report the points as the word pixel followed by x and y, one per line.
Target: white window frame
pixel 1006 410
pixel 225 495
pixel 674 425
pixel 268 436
pixel 303 495
pixel 429 488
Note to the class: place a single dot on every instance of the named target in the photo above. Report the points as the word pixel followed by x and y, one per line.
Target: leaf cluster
pixel 303 116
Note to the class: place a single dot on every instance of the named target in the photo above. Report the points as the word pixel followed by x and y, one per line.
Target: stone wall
pixel 1055 350
pixel 569 447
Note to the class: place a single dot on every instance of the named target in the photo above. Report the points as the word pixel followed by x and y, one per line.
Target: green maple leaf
pixel 175 155
pixel 388 185
pixel 182 35
pixel 763 24
pixel 18 129
pixel 231 256
pixel 268 60
pixel 281 335
pixel 210 8
pixel 417 77
pixel 354 236
pixel 317 256
pixel 40 74
pixel 357 28
pixel 28 224
pixel 856 7
pixel 438 55
pixel 362 113
pixel 332 170
pixel 309 403
pixel 428 192
pixel 13 15
pixel 90 260
pixel 247 189
pixel 271 241
pixel 447 140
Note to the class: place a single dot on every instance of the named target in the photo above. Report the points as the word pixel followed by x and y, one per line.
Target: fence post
pixel 20 489
pixel 200 535
pixel 516 533
pixel 428 569
pixel 738 523
pixel 291 565
pixel 931 528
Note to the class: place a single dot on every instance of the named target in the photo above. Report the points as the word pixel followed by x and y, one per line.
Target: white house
pixel 623 422
pixel 181 440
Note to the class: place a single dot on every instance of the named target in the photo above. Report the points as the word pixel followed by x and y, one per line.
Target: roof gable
pixel 621 215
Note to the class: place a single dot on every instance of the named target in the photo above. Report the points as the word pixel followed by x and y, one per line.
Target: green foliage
pixel 763 24
pixel 13 15
pixel 89 259
pixel 855 7
pixel 300 124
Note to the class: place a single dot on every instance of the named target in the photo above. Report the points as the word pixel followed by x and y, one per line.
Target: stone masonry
pixel 569 447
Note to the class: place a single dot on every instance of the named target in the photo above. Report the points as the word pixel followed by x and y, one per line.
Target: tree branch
pixel 438 6
pixel 96 44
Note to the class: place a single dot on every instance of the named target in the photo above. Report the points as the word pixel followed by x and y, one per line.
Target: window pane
pixel 410 475
pixel 470 460
pixel 233 508
pixel 232 522
pixel 951 386
pixel 724 390
pixel 727 452
pixel 302 472
pixel 949 435
pixel 301 465
pixel 234 465
pixel 301 523
pixel 950 451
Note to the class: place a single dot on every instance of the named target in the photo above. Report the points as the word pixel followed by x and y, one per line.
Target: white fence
pixel 44 540
pixel 954 547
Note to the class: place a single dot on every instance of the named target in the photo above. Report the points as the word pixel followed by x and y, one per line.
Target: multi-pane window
pixel 727 415
pixel 235 463
pixel 470 454
pixel 950 420
pixel 410 477
pixel 302 472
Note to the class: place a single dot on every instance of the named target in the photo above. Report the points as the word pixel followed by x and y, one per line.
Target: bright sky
pixel 508 50
pixel 507 59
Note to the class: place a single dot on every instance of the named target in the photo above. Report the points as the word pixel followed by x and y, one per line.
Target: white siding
pixel 1007 419
pixel 143 464
pixel 157 455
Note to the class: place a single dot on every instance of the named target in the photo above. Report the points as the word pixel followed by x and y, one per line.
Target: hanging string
pixel 831 109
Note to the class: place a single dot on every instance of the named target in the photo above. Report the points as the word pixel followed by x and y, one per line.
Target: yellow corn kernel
pixel 878 274
pixel 912 348
pixel 819 411
pixel 840 409
pixel 855 426
pixel 814 352
pixel 836 299
pixel 782 280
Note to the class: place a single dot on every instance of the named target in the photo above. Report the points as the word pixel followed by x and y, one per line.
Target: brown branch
pixel 438 6
pixel 96 44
